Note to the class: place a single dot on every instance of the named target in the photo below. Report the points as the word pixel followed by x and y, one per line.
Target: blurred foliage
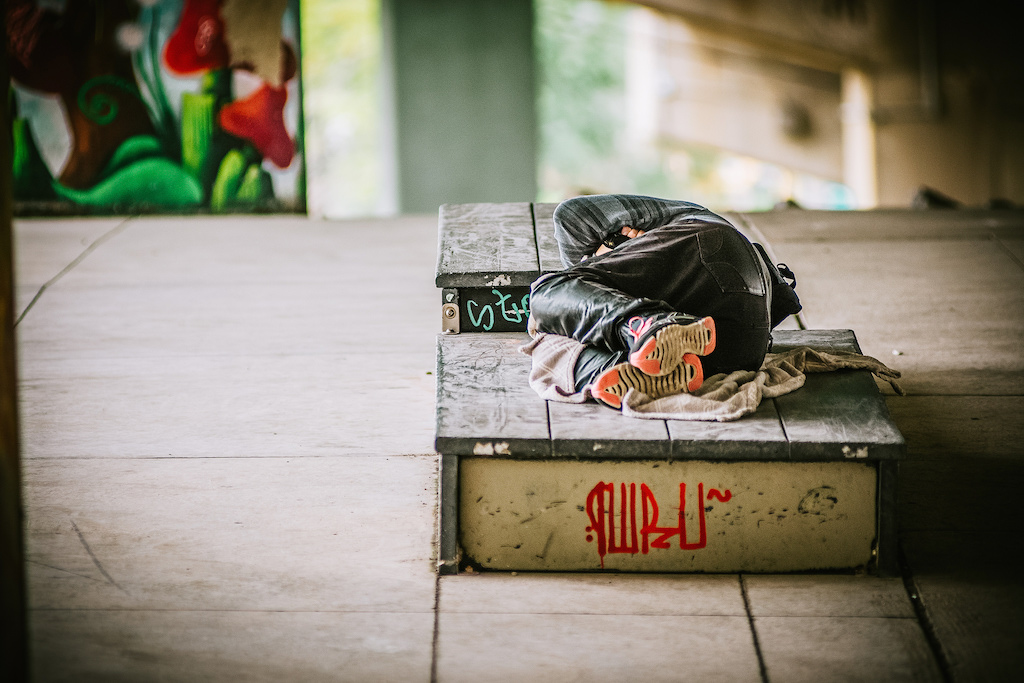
pixel 581 57
pixel 341 67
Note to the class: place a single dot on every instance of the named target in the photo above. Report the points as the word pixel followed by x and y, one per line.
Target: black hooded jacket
pixel 661 263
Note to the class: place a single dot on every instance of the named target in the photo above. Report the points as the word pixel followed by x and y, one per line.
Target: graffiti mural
pixel 155 105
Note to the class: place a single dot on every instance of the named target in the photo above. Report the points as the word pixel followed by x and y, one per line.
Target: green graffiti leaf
pixel 131 151
pixel 155 181
pixel 256 186
pixel 229 179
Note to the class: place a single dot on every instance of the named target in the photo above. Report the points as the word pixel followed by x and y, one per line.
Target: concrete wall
pixel 711 88
pixel 942 89
pixel 463 88
pixel 954 118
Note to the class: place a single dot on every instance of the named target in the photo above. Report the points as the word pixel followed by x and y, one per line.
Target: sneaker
pixel 660 342
pixel 610 386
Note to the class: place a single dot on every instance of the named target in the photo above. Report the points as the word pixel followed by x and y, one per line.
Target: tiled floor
pixel 229 472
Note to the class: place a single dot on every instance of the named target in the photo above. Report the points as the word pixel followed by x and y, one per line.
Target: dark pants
pixel 702 269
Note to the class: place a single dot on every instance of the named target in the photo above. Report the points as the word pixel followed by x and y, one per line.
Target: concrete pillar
pixel 860 170
pixel 462 86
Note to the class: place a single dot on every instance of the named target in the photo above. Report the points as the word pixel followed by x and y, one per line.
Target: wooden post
pixel 14 643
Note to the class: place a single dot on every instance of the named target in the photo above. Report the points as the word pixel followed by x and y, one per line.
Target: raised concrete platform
pixel 807 482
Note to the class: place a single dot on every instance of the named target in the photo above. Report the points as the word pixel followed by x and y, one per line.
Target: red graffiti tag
pixel 601 509
pixel 650 507
pixel 622 536
pixel 724 497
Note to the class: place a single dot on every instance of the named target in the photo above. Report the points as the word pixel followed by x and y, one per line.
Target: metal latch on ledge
pixel 450 311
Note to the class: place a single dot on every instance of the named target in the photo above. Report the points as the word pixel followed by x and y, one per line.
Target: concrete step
pixel 805 483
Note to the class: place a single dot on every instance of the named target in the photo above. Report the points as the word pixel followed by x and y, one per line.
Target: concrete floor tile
pixel 241 319
pixel 841 649
pixel 968 495
pixel 350 534
pixel 569 647
pixel 232 406
pixel 955 316
pixel 180 645
pixel 237 285
pixel 43 247
pixel 961 426
pixel 885 225
pixel 529 593
pixel 958 446
pixel 970 589
pixel 253 249
pixel 827 595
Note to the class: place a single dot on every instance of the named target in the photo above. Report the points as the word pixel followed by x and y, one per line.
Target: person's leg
pixel 617 328
pixel 582 306
pixel 660 341
pixel 592 362
pixel 607 377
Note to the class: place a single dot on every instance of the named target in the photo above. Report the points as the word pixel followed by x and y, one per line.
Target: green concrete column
pixel 463 100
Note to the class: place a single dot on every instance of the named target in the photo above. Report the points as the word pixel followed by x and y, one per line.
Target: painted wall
pixel 124 106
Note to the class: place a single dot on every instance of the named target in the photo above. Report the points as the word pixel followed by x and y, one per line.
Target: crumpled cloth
pixel 721 398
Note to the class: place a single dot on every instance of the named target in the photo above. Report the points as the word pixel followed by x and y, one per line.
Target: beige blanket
pixel 721 398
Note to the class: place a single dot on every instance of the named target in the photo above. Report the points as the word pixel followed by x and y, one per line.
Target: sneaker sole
pixel 611 385
pixel 664 349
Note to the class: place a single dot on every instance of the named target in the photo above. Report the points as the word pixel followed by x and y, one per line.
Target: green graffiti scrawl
pixel 100 107
pixel 517 312
pixel 476 320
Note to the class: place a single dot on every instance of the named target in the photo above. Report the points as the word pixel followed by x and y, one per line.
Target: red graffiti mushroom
pixel 197 44
pixel 259 118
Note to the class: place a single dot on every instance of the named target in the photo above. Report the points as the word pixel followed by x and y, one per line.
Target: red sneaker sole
pixel 600 390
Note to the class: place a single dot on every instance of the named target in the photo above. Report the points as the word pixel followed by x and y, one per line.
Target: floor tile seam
pixel 235 458
pixel 974 532
pixel 978 532
pixel 1009 252
pixel 761 238
pixel 761 666
pixel 851 617
pixel 315 285
pixel 737 615
pixel 876 238
pixel 435 638
pixel 167 358
pixel 952 395
pixel 227 611
pixel 226 354
pixel 945 455
pixel 93 246
pixel 922 618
